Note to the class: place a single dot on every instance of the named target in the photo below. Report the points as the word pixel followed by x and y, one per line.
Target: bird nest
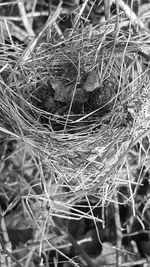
pixel 81 103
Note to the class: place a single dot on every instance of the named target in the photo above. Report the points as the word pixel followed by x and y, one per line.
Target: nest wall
pixel 86 152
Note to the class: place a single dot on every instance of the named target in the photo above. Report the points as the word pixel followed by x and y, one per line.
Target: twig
pixel 25 19
pixel 32 12
pixel 118 233
pixel 79 250
pixel 107 4
pixel 114 44
pixel 4 238
pixel 14 30
pixel 130 14
pixel 136 263
pixel 80 14
pixel 33 43
pixel 6 252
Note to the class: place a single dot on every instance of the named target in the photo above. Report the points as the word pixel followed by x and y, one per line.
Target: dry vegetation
pixel 74 133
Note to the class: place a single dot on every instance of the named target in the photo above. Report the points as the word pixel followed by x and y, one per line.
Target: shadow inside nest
pixel 87 110
pixel 81 117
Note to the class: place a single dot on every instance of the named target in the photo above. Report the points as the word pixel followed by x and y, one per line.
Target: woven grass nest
pixel 81 104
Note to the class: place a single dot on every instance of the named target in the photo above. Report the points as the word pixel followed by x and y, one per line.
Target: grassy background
pixel 74 133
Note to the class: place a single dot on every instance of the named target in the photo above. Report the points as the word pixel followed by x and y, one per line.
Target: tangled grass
pixel 91 158
pixel 67 157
